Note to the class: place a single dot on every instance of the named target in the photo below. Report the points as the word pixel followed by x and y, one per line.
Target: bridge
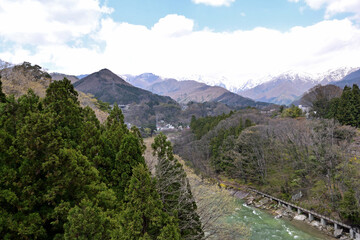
pixel 311 215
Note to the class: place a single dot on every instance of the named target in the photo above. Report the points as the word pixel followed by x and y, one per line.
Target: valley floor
pixel 223 212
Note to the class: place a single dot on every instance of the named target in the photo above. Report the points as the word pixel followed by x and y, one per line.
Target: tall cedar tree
pixel 61 100
pixel 143 216
pixel 174 189
pixel 119 151
pixel 2 95
pixel 349 207
pixel 348 107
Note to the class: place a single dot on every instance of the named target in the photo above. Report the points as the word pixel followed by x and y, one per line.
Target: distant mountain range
pixel 287 87
pixel 282 89
pixel 349 80
pixel 81 76
pixel 109 87
pixel 143 80
pixel 61 76
pixel 191 91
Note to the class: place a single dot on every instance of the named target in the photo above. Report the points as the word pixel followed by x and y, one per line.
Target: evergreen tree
pixel 162 148
pixel 333 108
pixel 87 221
pixel 174 190
pixel 143 216
pixel 136 132
pixel 128 157
pixel 349 207
pixel 114 131
pixel 115 118
pixel 346 116
pixel 2 95
pixel 348 107
pixel 90 144
pixel 107 144
pixel 61 99
pixel 356 103
pixel 292 112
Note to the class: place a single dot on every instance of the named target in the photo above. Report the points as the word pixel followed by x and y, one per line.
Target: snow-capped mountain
pixel 349 80
pixel 283 88
pixel 143 80
pixel 335 75
pixel 288 86
pixel 4 64
pixel 211 80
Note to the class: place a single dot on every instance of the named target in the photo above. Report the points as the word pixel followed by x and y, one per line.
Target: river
pixel 264 226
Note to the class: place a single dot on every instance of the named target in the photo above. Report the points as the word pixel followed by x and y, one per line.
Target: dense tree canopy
pixel 201 126
pixel 332 102
pixel 319 97
pixel 292 112
pixel 63 175
pixel 347 107
pixel 283 156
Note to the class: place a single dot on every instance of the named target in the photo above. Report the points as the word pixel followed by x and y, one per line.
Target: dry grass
pixel 18 82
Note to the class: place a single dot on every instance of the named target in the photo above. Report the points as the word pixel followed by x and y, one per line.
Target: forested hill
pixel 284 156
pixel 64 175
pixel 108 87
pixel 332 102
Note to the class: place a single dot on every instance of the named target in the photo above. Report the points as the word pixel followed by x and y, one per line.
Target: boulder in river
pixel 279 212
pixel 315 224
pixel 250 200
pixel 241 194
pixel 338 232
pixel 300 217
pixel 264 201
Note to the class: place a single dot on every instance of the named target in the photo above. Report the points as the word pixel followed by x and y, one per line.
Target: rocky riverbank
pixel 280 211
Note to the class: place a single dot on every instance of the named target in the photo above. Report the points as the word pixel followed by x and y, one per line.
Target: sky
pixel 227 41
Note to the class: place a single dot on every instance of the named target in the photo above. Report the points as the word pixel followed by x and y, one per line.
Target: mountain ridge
pixel 289 86
pixel 60 76
pixel 109 87
pixel 186 91
pixel 349 80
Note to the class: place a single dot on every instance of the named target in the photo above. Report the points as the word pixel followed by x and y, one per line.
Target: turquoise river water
pixel 263 226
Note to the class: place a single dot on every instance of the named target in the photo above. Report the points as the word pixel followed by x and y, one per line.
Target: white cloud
pixel 334 7
pixel 173 25
pixel 43 21
pixel 214 3
pixel 237 55
pixel 172 48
